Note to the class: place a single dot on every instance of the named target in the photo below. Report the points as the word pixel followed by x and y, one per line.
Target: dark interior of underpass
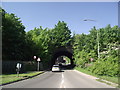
pixel 60 58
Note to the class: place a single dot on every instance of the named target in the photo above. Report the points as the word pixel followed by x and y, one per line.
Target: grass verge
pixel 107 78
pixel 8 78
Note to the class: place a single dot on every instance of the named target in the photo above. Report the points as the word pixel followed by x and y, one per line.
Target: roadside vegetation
pixel 8 78
pixel 108 78
pixel 86 52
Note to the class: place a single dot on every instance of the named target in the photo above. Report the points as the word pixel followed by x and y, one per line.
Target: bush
pixel 82 58
pixel 107 66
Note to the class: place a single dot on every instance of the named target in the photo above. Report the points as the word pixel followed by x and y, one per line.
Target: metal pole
pixel 38 65
pixel 98 43
pixel 18 73
pixel 97 37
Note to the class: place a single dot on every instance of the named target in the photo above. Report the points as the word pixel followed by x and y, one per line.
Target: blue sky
pixel 47 14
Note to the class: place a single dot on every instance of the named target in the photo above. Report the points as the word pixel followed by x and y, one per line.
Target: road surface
pixel 65 79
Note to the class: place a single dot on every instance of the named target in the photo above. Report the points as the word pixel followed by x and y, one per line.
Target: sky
pixel 47 14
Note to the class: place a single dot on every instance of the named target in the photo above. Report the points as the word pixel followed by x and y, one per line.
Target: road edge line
pixel 97 79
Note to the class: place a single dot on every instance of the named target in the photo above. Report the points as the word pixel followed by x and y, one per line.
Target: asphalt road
pixel 65 79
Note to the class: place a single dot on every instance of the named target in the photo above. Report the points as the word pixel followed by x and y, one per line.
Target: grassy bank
pixel 108 78
pixel 7 78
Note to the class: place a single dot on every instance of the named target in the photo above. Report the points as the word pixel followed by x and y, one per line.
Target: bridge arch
pixel 63 51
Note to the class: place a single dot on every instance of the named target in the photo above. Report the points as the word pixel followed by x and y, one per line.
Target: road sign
pixel 91 59
pixel 38 59
pixel 19 65
pixel 35 57
pixel 18 68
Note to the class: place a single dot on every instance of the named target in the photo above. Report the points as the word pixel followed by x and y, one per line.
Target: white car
pixel 56 68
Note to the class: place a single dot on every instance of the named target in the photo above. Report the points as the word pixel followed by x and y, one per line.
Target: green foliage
pixel 14 77
pixel 83 57
pixel 67 60
pixel 13 37
pixel 47 40
pixel 61 34
pixel 86 46
pixel 39 40
pixel 107 66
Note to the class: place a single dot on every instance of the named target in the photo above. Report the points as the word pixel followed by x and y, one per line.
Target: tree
pixel 61 35
pixel 13 37
pixel 85 47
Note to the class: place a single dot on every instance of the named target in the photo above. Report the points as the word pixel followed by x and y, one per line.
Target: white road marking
pixel 64 86
pixel 62 83
pixel 86 75
pixel 62 76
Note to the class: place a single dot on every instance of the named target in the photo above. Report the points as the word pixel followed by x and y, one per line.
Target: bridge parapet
pixel 66 49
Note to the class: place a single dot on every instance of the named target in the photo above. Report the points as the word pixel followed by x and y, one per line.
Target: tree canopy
pixel 13 37
pixel 86 49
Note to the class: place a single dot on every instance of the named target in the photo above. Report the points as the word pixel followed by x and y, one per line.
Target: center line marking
pixel 61 85
pixel 62 76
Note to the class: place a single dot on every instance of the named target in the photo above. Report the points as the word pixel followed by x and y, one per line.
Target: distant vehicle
pixel 56 68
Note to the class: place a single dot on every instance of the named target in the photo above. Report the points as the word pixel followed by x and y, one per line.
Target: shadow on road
pixel 67 67
pixel 58 71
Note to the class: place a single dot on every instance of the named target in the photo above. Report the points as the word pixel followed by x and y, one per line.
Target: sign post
pixel 38 63
pixel 18 68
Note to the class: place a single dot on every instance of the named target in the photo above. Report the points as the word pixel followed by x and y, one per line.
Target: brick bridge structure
pixel 63 51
